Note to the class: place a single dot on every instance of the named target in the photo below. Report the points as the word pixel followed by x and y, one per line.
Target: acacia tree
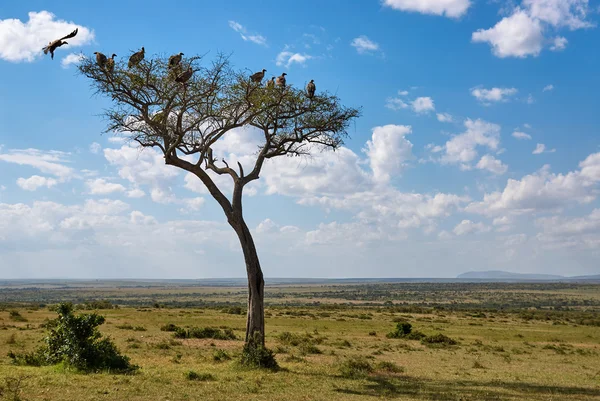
pixel 185 121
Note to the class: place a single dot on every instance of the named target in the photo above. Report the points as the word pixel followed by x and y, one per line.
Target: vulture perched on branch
pixel 258 76
pixel 135 58
pixel 271 82
pixel 110 63
pixel 185 76
pixel 52 46
pixel 310 89
pixel 174 60
pixel 280 81
pixel 100 59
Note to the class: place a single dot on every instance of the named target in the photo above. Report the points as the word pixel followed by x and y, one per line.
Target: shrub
pixel 404 330
pixel 372 333
pixel 220 355
pixel 169 327
pixel 308 348
pixel 12 339
pixel 389 367
pixel 139 328
pixel 125 326
pixel 77 342
pixel 439 340
pixel 191 375
pixel 256 355
pixel 206 332
pixel 234 310
pixel 355 368
pixel 16 316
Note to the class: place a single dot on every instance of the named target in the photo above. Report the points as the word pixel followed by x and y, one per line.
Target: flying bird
pixel 174 60
pixel 52 46
pixel 271 82
pixel 110 63
pixel 280 81
pixel 185 76
pixel 135 58
pixel 100 59
pixel 310 89
pixel 258 76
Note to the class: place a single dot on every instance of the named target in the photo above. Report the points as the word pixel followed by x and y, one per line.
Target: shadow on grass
pixel 403 386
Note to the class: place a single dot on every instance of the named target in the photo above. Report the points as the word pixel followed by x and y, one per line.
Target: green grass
pixel 498 355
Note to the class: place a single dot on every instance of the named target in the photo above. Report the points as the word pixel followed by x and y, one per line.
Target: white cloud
pixel 48 162
pixel 541 148
pixel 487 96
pixel 423 105
pixel 559 43
pixel 543 190
pixel 548 88
pixel 444 117
pixel 388 151
pixel 95 148
pixel 100 186
pixel 255 38
pixel 462 148
pixel 394 103
pixel 448 8
pixel 137 217
pixel 287 58
pixel 34 182
pixel 71 58
pixel 469 227
pixel 516 36
pixel 24 41
pixel 560 13
pixel 522 33
pixel 135 193
pixel 364 45
pixel 521 135
pixel 490 163
pixel 267 226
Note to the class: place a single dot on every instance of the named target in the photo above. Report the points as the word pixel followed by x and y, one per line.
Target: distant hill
pixel 502 275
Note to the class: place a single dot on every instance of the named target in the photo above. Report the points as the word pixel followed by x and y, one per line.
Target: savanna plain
pixel 353 341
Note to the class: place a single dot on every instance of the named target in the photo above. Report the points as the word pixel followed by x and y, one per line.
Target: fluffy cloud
pixel 95 148
pixel 287 58
pixel 48 162
pixel 255 38
pixel 462 148
pixel 521 135
pixel 35 181
pixel 487 96
pixel 423 105
pixel 559 43
pixel 522 33
pixel 389 150
pixel 571 232
pixel 543 190
pixel 100 186
pixel 468 227
pixel 541 148
pixel 448 8
pixel 490 163
pixel 444 117
pixel 71 58
pixel 21 41
pixel 364 45
pixel 548 88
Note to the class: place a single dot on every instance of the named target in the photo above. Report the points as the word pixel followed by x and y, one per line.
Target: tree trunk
pixel 256 285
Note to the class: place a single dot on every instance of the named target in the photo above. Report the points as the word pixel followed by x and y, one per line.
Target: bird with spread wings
pixel 52 46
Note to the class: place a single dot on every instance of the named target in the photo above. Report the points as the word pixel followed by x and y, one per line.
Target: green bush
pixel 191 375
pixel 77 342
pixel 169 327
pixel 205 332
pixel 220 355
pixel 16 316
pixel 256 355
pixel 390 367
pixel 355 368
pixel 439 340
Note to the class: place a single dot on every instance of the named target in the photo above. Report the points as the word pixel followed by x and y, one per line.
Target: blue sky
pixel 477 149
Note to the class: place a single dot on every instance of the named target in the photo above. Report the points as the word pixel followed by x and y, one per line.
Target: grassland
pixel 535 341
